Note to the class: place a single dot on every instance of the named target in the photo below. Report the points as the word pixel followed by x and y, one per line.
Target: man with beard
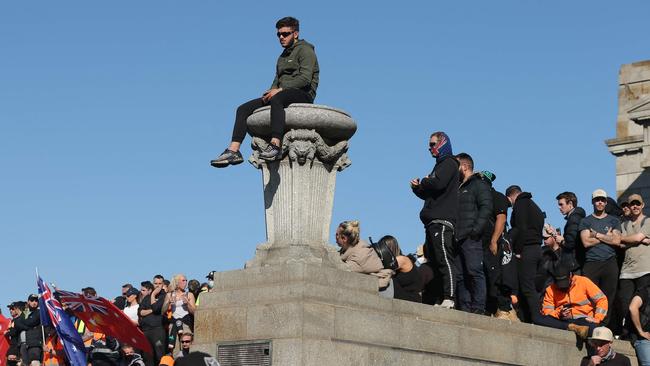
pixel 601 236
pixel 439 190
pixel 31 324
pixel 474 209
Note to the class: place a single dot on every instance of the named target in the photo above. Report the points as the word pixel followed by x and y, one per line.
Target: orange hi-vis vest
pixel 584 298
pixel 53 353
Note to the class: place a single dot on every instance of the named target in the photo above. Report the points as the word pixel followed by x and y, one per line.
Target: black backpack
pixel 387 257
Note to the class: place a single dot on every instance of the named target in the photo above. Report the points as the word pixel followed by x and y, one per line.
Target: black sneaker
pixel 227 157
pixel 271 153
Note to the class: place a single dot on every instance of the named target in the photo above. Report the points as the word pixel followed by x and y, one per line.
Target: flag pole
pixel 39 304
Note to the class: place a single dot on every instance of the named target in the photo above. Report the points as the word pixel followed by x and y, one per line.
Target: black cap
pixel 562 275
pixel 210 275
pixel 132 291
pixel 32 297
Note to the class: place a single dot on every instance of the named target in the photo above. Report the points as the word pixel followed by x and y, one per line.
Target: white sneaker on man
pixel 447 304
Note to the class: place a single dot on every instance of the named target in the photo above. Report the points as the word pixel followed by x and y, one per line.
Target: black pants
pixel 499 288
pixel 624 294
pixel 278 103
pixel 440 253
pixel 156 337
pixel 527 269
pixel 34 354
pixel 605 276
pixel 470 276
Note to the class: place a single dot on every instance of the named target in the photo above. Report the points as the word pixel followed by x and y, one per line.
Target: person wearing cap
pixel 635 271
pixel 527 222
pixel 601 236
pixel 209 288
pixel 13 335
pixel 572 302
pixel 31 324
pixel 501 277
pixel 132 305
pixel 601 343
pixel 572 248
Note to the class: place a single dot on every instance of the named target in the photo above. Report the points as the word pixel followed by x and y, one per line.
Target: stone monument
pixel 294 304
pixel 631 146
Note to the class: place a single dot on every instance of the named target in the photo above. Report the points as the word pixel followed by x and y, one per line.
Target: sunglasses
pixel 186 341
pixel 283 34
pixel 635 203
pixel 600 199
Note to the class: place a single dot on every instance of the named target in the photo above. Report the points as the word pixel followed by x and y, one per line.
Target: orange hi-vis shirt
pixel 53 353
pixel 584 297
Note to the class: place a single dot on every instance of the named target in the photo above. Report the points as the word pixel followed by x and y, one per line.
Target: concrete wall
pixel 320 316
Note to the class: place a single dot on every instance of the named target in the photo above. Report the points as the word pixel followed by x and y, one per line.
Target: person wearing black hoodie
pixel 31 324
pixel 439 190
pixel 474 211
pixel 527 222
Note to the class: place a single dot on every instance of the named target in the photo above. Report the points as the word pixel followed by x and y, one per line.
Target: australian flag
pixel 52 313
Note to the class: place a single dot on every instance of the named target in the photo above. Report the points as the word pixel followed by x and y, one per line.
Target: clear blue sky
pixel 111 111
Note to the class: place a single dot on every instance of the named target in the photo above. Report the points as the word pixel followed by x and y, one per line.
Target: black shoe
pixel 271 153
pixel 227 157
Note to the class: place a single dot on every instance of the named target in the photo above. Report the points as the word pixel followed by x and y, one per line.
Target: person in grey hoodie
pixel 296 80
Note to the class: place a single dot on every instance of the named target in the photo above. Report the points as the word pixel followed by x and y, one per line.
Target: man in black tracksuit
pixel 474 209
pixel 527 222
pixel 439 190
pixel 151 321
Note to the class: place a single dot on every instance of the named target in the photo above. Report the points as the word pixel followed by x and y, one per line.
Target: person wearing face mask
pixel 130 357
pixel 208 288
pixel 439 214
pixel 572 303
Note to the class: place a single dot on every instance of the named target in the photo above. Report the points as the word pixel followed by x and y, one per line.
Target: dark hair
pixel 147 284
pixel 89 291
pixel 465 158
pixel 194 286
pixel 288 22
pixel 166 282
pixel 127 285
pixel 158 277
pixel 512 190
pixel 392 244
pixel 569 197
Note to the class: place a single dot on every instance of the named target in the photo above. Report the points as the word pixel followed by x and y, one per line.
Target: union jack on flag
pixel 79 302
pixel 52 312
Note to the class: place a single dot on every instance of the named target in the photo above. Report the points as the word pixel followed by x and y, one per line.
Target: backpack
pixel 387 257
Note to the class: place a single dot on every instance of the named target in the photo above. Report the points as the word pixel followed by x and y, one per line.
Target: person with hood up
pixel 439 190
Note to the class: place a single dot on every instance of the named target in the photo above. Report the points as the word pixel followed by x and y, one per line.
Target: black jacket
pixel 155 319
pixel 31 324
pixel 572 242
pixel 474 208
pixel 527 222
pixel 439 190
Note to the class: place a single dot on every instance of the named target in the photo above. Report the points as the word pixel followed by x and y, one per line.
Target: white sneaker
pixel 447 304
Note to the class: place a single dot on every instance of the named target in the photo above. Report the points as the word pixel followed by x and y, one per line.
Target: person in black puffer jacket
pixel 474 211
pixel 527 222
pixel 573 252
pixel 439 190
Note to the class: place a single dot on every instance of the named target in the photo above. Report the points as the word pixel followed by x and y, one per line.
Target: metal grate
pixel 244 353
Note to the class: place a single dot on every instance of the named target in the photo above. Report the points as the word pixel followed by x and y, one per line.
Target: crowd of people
pixel 162 309
pixel 593 273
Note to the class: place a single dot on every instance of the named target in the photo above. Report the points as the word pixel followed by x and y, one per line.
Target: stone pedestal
pixel 299 189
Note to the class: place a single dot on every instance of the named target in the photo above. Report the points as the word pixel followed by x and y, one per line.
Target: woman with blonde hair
pixel 183 305
pixel 356 253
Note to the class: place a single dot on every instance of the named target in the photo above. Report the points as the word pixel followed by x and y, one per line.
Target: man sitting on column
pixel 572 302
pixel 296 80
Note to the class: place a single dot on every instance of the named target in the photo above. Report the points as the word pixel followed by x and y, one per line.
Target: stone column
pixel 299 188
